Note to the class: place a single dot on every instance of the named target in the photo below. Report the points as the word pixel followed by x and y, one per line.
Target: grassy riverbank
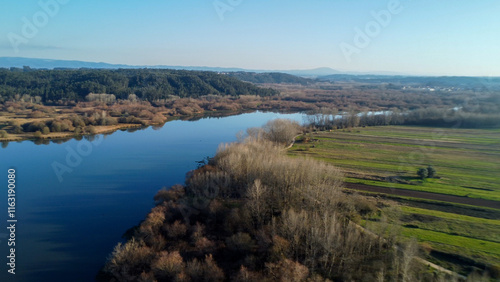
pixel 467 162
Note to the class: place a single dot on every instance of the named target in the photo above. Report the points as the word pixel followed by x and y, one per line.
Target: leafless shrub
pixel 14 123
pixel 158 118
pixel 129 260
pixel 245 275
pixel 132 98
pixel 145 114
pixel 204 245
pixel 327 242
pixel 131 120
pixel 478 276
pixel 405 259
pixel 146 277
pixel 256 133
pixel 216 207
pixel 209 185
pixel 149 230
pixel 168 265
pixel 288 270
pixel 107 98
pixel 172 194
pixel 289 181
pixel 204 271
pixel 198 231
pixel 107 121
pixel 494 271
pixel 156 217
pixel 34 126
pixel 194 269
pixel 318 278
pixel 91 129
pixel 258 202
pixel 233 220
pixel 176 230
pixel 280 248
pixel 36 114
pixel 240 242
pixel 281 130
pixel 17 130
pixel 77 121
pixel 187 106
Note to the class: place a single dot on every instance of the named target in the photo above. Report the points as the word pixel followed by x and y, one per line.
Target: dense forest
pixel 146 84
pixel 270 77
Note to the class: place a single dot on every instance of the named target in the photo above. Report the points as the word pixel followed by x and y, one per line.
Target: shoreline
pixel 107 129
pixel 69 135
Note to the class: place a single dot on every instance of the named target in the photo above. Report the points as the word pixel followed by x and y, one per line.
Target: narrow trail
pixel 425 195
pixel 293 142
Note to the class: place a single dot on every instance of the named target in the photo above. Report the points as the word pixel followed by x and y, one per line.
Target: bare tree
pixel 108 98
pixel 281 130
pixel 258 201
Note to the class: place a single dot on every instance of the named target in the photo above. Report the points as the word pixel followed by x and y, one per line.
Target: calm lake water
pixel 68 224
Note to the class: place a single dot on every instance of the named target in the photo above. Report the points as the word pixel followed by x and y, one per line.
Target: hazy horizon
pixel 454 38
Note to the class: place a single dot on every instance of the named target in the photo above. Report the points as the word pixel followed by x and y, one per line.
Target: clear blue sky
pixel 445 37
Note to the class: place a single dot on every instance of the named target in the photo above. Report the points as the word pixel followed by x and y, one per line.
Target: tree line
pixel 270 77
pixel 435 117
pixel 146 84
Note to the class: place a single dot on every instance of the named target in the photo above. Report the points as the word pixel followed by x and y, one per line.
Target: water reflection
pixel 69 227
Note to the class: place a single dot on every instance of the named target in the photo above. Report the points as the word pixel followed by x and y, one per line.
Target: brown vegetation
pixel 105 110
pixel 254 214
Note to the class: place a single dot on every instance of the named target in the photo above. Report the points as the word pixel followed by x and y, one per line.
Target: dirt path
pixel 419 259
pixel 293 142
pixel 425 195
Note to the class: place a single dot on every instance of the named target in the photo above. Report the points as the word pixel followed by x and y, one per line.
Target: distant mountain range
pixel 18 62
pixel 324 74
pixel 303 77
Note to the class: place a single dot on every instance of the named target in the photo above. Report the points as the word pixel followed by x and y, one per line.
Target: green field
pixel 474 238
pixel 467 162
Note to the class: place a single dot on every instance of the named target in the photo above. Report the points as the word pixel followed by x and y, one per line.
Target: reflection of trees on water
pixel 41 141
pixel 134 129
pixel 219 114
pixel 157 127
pixel 64 140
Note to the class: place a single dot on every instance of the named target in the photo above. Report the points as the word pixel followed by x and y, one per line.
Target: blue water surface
pixel 68 224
